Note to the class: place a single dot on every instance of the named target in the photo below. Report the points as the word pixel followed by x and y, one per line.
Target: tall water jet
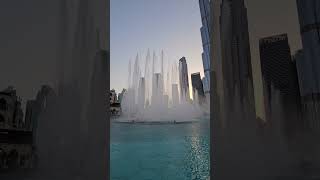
pixel 129 75
pixel 154 61
pixel 147 76
pixel 175 95
pixel 136 76
pixel 168 92
pixel 97 124
pixel 162 73
pixel 65 130
pixel 156 90
pixel 141 94
pixel 150 100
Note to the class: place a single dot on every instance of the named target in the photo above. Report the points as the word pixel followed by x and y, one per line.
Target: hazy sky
pixel 136 25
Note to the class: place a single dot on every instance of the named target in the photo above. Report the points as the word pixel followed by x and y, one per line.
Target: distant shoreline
pixel 154 122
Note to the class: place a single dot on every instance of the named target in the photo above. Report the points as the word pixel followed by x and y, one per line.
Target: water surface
pixel 160 152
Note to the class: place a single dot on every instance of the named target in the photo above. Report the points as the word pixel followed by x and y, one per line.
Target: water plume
pixel 155 96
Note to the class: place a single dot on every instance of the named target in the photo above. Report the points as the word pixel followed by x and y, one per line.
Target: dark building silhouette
pixel 235 54
pixel 276 63
pixel 205 36
pixel 279 73
pixel 184 80
pixel 236 57
pixel 308 65
pixel 197 87
pixel 16 142
pixel 308 61
pixel 11 114
pixel 309 18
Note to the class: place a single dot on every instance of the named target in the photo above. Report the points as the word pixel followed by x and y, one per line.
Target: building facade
pixel 16 138
pixel 11 114
pixel 235 52
pixel 184 80
pixel 197 88
pixel 205 36
pixel 308 61
pixel 277 67
pixel 279 73
pixel 309 18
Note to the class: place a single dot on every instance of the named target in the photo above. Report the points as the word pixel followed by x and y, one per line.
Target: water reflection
pixel 160 151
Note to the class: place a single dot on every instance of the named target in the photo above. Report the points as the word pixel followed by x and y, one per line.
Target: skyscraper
pixel 277 67
pixel 205 35
pixel 308 60
pixel 235 51
pixel 279 73
pixel 309 17
pixel 197 87
pixel 183 79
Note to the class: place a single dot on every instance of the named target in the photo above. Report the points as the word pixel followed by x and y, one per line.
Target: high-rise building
pixel 277 66
pixel 308 60
pixel 279 73
pixel 197 87
pixel 205 35
pixel 183 79
pixel 235 51
pixel 204 83
pixel 11 114
pixel 309 17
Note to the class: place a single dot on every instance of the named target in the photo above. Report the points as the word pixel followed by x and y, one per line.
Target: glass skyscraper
pixel 309 17
pixel 205 35
pixel 197 87
pixel 184 80
pixel 279 73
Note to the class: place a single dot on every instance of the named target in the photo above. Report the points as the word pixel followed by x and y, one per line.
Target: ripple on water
pixel 160 152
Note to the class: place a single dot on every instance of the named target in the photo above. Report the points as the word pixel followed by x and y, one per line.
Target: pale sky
pixel 171 25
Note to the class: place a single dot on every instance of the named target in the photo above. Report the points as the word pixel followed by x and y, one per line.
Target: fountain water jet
pixel 142 106
pixel 72 132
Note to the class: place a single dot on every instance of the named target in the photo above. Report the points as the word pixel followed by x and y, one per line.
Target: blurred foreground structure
pixel 284 143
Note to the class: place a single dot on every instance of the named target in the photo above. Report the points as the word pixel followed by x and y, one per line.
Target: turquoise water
pixel 160 152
